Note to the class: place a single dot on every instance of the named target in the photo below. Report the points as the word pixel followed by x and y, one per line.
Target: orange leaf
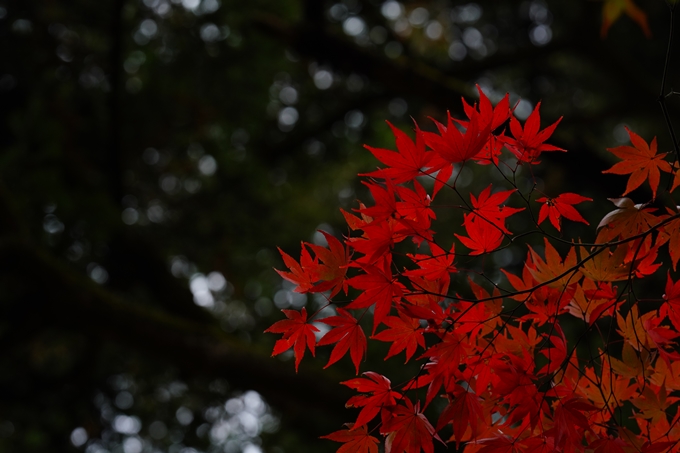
pixel 632 328
pixel 612 10
pixel 606 266
pixel 553 266
pixel 626 221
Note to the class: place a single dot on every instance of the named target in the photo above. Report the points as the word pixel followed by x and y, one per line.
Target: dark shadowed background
pixel 154 153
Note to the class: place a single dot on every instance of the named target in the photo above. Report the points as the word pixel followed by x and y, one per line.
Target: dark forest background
pixel 154 153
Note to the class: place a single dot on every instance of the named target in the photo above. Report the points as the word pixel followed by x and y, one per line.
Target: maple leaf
pixel 437 266
pixel 606 266
pixel 385 202
pixel 632 330
pixel 382 396
pixel 662 337
pixel 414 214
pixel 463 411
pixel 546 305
pixel 404 332
pixel 517 342
pixel 303 274
pixel 553 267
pixel 632 365
pixel 408 430
pixel 609 390
pixel 556 354
pixel 612 10
pixel 590 302
pixel 666 375
pixel 380 288
pixel 407 163
pixel 570 423
pixel 484 236
pixel 527 143
pixel 641 161
pixel 415 204
pixel 377 242
pixel 653 404
pixel 478 318
pixel 487 205
pixel 297 333
pixel 335 259
pixel 354 440
pixel 347 334
pixel 447 354
pixel 562 206
pixel 514 382
pixel 452 145
pixel 491 116
pixel 628 220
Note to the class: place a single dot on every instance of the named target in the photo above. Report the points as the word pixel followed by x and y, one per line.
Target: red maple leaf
pixel 404 333
pixel 414 215
pixel 354 440
pixel 570 422
pixel 408 430
pixel 562 206
pixel 489 116
pixel 378 395
pixel 484 236
pixel 529 143
pixel 433 267
pixel 296 333
pixel 385 202
pixel 347 334
pixel 641 161
pixel 380 288
pixel 377 241
pixel 407 163
pixel 463 411
pixel 452 145
pixel 446 355
pixel 303 274
pixel 335 259
pixel 556 354
pixel 488 206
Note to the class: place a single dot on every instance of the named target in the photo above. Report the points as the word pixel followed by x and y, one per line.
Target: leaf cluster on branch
pixel 501 354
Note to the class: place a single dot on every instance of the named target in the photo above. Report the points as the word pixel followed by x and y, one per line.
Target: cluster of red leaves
pixel 497 356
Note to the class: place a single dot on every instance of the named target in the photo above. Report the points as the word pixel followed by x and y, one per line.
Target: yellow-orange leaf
pixel 626 221
pixel 612 10
pixel 632 330
pixel 606 266
pixel 553 267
